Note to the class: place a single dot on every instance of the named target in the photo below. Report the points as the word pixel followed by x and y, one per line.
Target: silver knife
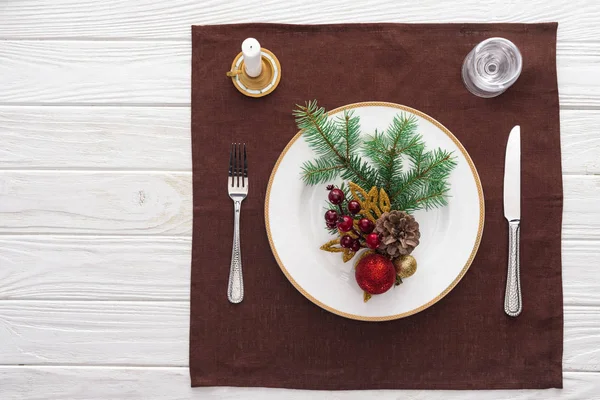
pixel 512 212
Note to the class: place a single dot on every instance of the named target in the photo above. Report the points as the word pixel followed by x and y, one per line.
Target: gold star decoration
pixel 333 246
pixel 372 204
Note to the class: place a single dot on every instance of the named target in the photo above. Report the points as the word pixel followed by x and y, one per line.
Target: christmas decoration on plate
pixel 386 178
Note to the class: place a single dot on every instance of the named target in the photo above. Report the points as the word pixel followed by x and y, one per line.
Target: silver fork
pixel 237 185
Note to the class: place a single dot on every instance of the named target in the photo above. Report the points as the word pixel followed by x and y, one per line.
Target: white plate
pixel 450 235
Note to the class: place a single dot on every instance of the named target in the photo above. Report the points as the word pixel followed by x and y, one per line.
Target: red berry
pixel 372 240
pixel 366 226
pixel 345 224
pixel 336 196
pixel 331 216
pixel 346 241
pixel 354 206
pixel 355 246
pixel 331 225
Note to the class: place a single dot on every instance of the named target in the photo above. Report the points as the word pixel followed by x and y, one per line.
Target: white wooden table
pixel 96 200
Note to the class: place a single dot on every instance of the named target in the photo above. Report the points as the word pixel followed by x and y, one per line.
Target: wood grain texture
pixel 576 63
pixel 158 138
pixel 68 383
pixel 159 203
pixel 156 19
pixel 158 269
pixel 580 141
pixel 96 202
pixel 581 211
pixel 98 268
pixel 95 72
pixel 158 73
pixel 97 333
pixel 118 138
pixel 156 334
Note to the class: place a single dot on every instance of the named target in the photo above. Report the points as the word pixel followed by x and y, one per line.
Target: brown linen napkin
pixel 276 337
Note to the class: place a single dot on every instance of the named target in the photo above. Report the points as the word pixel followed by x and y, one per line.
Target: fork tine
pixel 235 176
pixel 245 163
pixel 240 166
pixel 231 161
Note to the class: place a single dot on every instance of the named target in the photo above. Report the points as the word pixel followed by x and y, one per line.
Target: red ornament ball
pixel 354 206
pixel 346 242
pixel 372 240
pixel 345 224
pixel 331 216
pixel 336 196
pixel 375 274
pixel 365 225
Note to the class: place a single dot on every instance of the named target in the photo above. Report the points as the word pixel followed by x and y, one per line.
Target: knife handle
pixel 512 299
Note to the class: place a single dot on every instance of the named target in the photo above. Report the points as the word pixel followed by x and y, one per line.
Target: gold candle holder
pixel 261 85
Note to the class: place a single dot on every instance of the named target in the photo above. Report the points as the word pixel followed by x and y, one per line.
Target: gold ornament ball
pixel 405 266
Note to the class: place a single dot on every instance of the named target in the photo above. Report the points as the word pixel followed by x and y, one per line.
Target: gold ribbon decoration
pixel 372 204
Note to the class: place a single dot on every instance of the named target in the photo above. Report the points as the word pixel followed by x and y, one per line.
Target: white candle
pixel 252 57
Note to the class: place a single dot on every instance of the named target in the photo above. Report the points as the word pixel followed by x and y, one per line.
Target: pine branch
pixel 422 183
pixel 387 149
pixel 425 186
pixel 428 166
pixel 350 126
pixel 376 149
pixel 360 172
pixel 426 197
pixel 319 131
pixel 321 170
pixel 333 140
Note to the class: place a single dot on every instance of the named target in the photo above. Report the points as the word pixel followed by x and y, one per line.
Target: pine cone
pixel 399 233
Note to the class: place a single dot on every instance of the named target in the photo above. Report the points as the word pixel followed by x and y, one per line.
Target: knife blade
pixel 512 212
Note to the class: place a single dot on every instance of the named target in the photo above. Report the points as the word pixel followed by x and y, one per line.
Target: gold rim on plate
pixel 469 260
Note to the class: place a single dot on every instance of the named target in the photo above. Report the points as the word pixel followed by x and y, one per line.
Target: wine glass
pixel 492 67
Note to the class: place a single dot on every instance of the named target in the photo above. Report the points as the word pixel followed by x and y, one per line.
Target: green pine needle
pixel 321 170
pixel 399 163
pixel 335 141
pixel 386 150
pixel 425 185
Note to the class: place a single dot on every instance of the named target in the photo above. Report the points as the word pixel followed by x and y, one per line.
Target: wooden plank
pixel 575 64
pixel 147 138
pixel 151 19
pixel 42 267
pixel 95 268
pixel 91 332
pixel 97 72
pixel 156 333
pixel 96 202
pixel 88 383
pixel 158 73
pixel 113 203
pixel 580 141
pixel 581 212
pixel 581 259
pixel 158 138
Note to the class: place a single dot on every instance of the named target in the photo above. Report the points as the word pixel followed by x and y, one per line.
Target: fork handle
pixel 235 289
pixel 512 298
